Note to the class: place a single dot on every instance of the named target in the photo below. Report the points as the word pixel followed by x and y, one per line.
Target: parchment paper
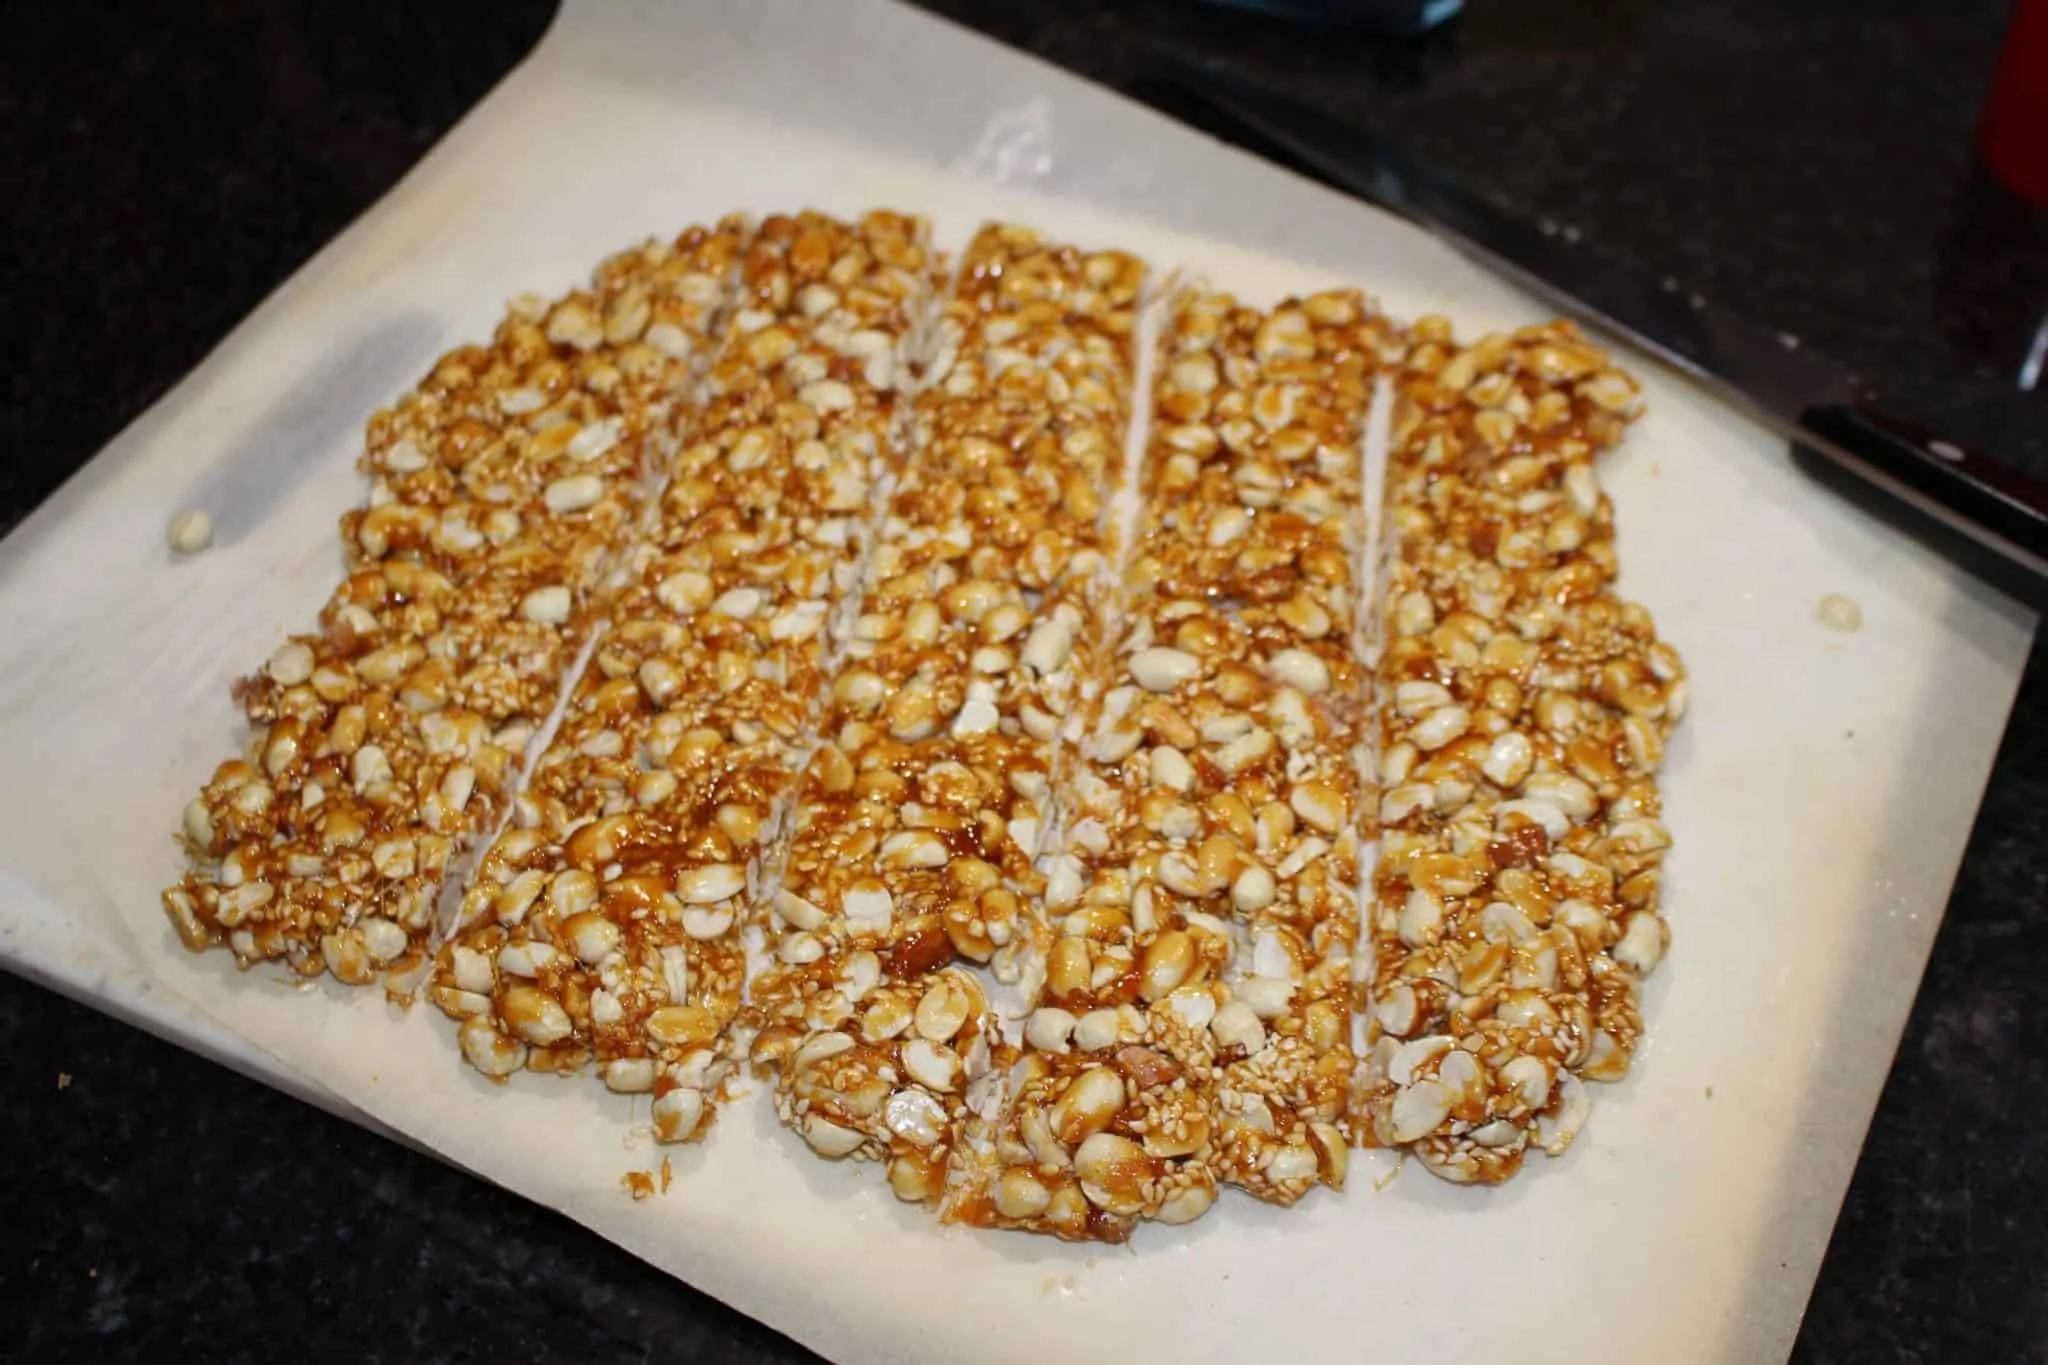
pixel 1821 791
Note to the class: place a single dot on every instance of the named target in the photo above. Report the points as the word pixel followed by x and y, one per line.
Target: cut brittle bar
pixel 385 743
pixel 919 818
pixel 1193 1028
pixel 606 923
pixel 547 438
pixel 1525 708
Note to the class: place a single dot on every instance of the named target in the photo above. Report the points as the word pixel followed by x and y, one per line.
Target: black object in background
pixel 1386 16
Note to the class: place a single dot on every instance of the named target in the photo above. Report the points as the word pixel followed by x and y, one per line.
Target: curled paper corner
pixel 1015 147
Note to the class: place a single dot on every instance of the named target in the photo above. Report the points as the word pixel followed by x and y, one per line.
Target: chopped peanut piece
pixel 1524 713
pixel 190 531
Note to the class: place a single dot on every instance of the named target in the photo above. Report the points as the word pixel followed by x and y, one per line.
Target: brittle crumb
pixel 190 532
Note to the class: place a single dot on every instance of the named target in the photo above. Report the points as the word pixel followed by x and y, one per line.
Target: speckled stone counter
pixel 172 164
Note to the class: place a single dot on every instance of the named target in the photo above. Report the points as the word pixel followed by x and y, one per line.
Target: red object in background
pixel 2012 136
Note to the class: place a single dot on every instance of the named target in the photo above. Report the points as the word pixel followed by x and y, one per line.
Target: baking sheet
pixel 1821 791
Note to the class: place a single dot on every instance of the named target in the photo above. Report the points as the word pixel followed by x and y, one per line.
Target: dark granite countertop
pixel 171 165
